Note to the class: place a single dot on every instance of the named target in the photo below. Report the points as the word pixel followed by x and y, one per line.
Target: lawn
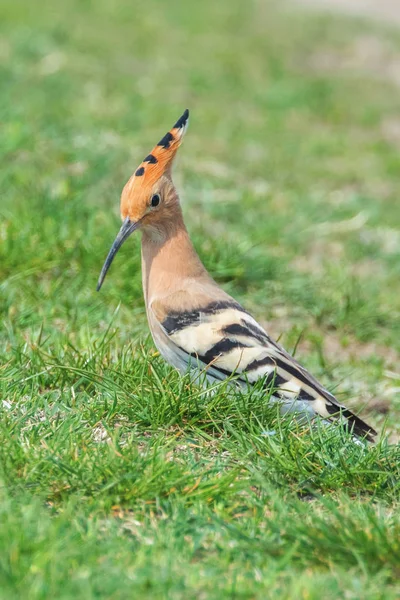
pixel 118 477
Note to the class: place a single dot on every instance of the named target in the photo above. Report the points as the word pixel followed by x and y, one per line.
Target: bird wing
pixel 225 340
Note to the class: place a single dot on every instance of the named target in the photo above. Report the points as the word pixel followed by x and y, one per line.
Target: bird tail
pixel 359 427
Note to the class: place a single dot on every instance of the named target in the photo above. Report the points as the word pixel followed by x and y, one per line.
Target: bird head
pixel 149 198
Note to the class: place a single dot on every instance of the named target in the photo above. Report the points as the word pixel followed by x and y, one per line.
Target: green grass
pixel 119 478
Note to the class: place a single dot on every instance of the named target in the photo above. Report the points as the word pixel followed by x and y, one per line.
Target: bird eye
pixel 155 200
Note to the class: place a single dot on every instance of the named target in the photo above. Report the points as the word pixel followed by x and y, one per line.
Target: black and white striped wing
pixel 224 339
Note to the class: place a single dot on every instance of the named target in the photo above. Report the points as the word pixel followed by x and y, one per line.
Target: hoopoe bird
pixel 194 323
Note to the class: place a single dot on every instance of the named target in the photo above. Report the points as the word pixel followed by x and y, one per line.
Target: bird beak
pixel 127 228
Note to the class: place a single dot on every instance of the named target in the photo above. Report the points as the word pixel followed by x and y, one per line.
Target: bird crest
pixel 152 169
pixel 160 159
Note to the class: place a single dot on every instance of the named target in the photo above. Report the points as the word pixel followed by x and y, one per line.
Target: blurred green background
pixel 289 184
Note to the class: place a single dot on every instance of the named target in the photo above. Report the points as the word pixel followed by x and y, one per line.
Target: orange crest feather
pixel 160 158
pixel 136 192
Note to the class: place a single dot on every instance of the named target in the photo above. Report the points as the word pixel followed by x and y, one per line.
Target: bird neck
pixel 169 260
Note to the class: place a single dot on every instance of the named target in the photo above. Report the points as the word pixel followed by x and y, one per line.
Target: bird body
pixel 194 323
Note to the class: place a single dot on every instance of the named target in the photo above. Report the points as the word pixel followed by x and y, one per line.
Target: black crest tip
pixel 181 122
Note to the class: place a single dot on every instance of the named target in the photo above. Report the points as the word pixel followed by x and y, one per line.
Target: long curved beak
pixel 127 228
